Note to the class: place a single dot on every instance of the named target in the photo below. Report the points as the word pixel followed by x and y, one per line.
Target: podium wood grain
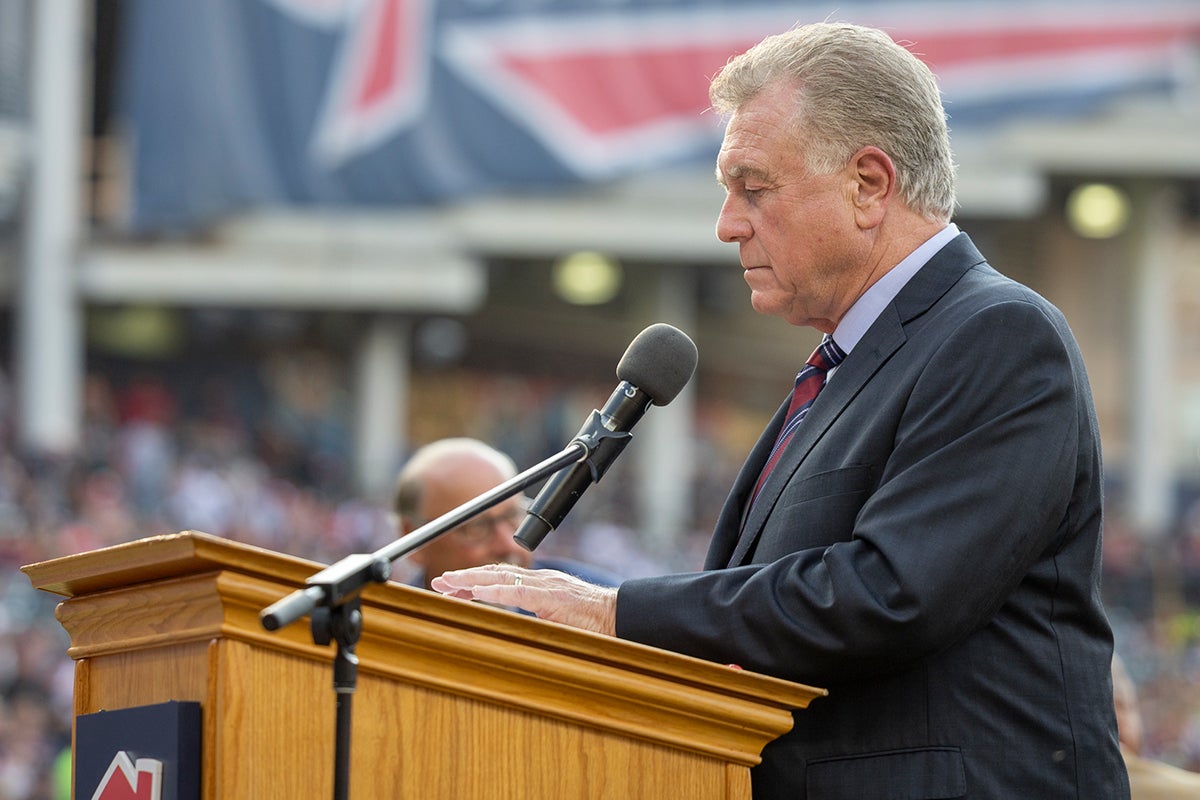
pixel 454 699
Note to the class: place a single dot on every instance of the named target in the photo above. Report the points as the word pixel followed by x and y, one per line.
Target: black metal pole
pixel 341 624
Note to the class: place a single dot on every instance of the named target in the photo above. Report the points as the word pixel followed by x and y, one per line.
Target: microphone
pixel 657 364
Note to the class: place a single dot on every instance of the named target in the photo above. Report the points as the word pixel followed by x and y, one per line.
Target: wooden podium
pixel 454 699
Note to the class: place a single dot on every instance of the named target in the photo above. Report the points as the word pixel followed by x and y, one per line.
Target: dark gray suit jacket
pixel 928 549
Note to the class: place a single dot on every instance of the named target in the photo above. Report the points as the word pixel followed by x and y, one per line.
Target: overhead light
pixel 1098 210
pixel 145 332
pixel 587 278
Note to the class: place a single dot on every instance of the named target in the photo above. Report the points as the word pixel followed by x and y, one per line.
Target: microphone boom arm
pixel 343 580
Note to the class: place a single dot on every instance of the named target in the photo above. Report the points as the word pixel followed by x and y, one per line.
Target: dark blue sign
pixel 143 753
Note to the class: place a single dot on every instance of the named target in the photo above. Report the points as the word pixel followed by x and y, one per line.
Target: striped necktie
pixel 809 382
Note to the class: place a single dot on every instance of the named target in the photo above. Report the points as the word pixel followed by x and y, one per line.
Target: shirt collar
pixel 867 308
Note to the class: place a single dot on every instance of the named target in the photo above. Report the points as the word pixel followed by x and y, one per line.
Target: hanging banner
pixel 232 104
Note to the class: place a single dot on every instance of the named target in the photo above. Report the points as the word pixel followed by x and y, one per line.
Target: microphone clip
pixel 602 444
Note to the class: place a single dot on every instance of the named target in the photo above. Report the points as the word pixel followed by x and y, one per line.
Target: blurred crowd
pixel 152 464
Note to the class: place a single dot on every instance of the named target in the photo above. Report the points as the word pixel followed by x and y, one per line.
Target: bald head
pixel 444 475
pixel 440 462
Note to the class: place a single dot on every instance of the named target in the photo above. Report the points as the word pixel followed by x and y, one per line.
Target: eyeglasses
pixel 478 531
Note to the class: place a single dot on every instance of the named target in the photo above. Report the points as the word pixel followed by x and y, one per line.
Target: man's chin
pixel 764 304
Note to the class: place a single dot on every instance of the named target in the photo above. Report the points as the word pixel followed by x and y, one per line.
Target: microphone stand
pixel 332 595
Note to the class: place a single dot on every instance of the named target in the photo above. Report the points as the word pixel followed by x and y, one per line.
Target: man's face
pixel 484 539
pixel 796 232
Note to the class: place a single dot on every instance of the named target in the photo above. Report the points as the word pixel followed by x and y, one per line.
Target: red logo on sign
pixel 379 77
pixel 127 780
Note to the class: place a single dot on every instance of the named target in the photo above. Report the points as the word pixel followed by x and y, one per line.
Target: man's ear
pixel 874 177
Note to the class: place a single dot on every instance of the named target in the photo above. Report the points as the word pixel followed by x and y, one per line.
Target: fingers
pixel 462 582
pixel 548 593
pixel 499 584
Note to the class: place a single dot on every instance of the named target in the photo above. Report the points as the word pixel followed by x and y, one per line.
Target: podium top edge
pixel 157 557
pixel 187 553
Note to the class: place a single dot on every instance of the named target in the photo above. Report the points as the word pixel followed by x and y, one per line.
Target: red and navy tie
pixel 809 382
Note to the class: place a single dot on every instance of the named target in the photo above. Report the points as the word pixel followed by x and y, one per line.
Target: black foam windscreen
pixel 660 361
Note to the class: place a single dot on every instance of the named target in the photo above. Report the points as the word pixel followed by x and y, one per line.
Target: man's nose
pixel 731 223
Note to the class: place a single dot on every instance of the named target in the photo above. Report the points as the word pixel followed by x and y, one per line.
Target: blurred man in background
pixel 1148 779
pixel 444 475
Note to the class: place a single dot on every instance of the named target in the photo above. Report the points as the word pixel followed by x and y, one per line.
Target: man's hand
pixel 548 593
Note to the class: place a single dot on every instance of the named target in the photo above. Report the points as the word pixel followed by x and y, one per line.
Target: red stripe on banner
pixel 955 48
pixel 610 90
pixel 381 79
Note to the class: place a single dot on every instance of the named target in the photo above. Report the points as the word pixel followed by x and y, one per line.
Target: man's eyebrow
pixel 739 172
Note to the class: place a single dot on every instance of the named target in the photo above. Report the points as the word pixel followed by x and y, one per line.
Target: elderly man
pixel 922 536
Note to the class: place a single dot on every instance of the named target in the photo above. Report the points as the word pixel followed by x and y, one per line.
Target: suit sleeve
pixel 974 489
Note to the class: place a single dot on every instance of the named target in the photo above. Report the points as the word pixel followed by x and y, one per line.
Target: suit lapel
pixel 885 336
pixel 845 383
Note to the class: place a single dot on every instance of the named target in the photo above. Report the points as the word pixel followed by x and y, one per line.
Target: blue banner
pixel 233 104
